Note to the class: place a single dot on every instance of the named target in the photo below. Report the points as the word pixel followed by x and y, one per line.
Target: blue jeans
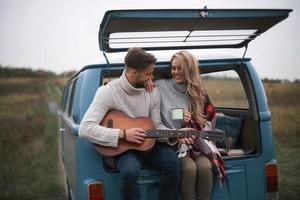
pixel 161 158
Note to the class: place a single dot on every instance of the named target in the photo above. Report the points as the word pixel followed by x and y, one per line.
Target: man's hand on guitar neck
pixel 134 135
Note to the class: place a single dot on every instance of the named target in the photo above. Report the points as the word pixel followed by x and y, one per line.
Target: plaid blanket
pixel 208 149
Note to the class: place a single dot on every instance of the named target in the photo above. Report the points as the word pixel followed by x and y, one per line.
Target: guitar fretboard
pixel 159 133
pixel 215 135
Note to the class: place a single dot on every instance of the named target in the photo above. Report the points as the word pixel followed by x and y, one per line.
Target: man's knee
pixel 130 175
pixel 172 164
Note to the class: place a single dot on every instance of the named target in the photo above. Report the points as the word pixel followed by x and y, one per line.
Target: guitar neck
pixel 215 135
pixel 158 133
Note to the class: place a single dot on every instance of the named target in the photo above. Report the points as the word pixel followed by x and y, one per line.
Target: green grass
pixel 29 140
pixel 283 100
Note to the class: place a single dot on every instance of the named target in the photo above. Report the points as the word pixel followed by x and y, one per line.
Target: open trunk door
pixel 185 28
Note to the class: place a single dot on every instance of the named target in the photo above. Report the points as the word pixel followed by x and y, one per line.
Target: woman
pixel 185 90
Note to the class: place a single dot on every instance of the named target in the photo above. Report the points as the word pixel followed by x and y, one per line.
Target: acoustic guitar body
pixel 116 119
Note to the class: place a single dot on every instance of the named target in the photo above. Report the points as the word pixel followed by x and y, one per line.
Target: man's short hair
pixel 137 58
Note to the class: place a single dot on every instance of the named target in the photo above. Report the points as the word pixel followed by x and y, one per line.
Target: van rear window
pixel 225 89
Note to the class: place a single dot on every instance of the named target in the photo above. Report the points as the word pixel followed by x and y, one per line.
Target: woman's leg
pixel 188 178
pixel 204 177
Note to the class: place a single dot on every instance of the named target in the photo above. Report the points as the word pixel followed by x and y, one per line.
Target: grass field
pixel 283 100
pixel 29 138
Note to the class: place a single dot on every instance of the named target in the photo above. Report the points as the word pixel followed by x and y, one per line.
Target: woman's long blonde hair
pixel 195 89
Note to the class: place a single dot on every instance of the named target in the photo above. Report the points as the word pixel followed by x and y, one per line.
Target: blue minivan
pixel 231 81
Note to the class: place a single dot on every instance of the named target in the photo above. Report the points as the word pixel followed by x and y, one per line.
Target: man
pixel 128 95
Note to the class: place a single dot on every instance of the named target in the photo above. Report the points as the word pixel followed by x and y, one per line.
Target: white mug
pixel 177 114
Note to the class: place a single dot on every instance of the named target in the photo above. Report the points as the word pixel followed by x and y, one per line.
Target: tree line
pixel 28 72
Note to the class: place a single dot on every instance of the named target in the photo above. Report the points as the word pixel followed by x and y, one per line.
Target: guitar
pixel 116 119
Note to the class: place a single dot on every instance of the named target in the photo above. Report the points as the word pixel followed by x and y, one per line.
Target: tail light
pixel 271 176
pixel 95 191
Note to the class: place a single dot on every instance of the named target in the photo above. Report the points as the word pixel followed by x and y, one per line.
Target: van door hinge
pixel 242 60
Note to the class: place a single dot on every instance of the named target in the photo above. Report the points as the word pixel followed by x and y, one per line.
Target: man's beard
pixel 139 84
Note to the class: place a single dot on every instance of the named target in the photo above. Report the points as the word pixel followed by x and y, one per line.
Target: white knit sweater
pixel 118 95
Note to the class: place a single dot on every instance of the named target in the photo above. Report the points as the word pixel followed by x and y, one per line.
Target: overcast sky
pixel 61 35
